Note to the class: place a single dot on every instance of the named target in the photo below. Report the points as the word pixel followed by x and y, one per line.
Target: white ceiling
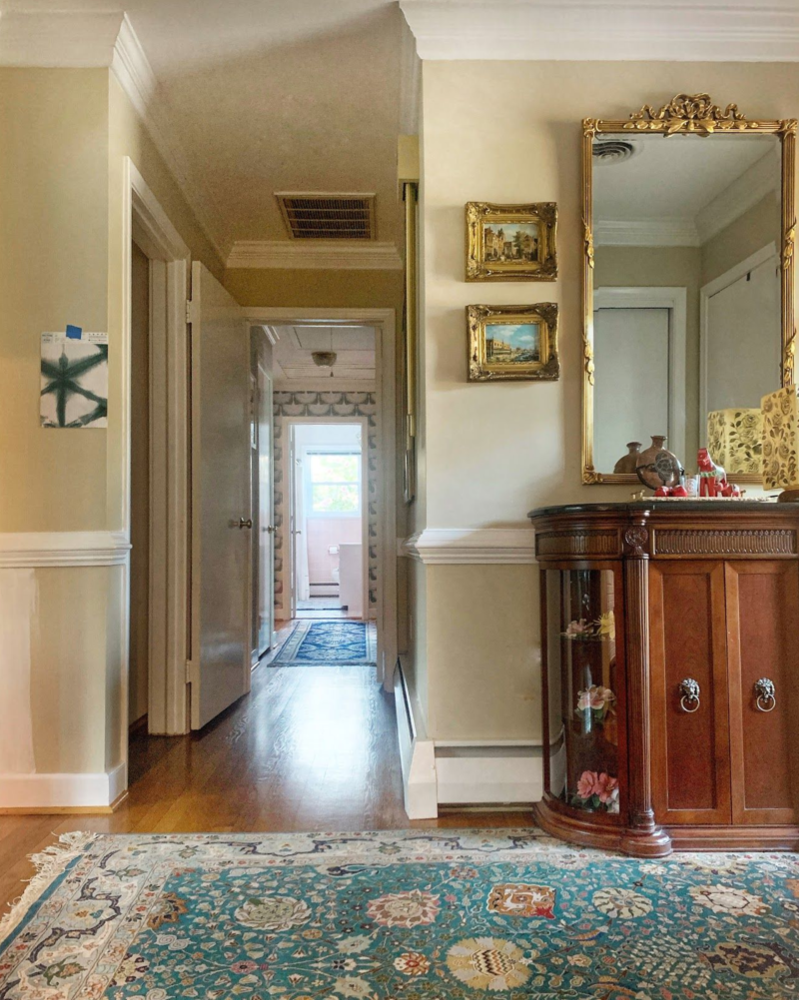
pixel 354 345
pixel 680 190
pixel 272 95
pixel 675 176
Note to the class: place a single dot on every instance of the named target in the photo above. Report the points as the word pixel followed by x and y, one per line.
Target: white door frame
pixel 264 381
pixel 363 422
pixel 706 293
pixel 144 220
pixel 676 300
pixel 384 322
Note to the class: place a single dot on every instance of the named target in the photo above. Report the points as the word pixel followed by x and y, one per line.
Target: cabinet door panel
pixel 690 749
pixel 763 642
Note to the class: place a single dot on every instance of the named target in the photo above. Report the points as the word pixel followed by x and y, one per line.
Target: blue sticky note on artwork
pixel 74 332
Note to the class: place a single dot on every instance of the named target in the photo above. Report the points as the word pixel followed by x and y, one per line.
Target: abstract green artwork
pixel 74 380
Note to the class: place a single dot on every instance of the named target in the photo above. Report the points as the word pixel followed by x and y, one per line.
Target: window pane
pixel 334 468
pixel 334 499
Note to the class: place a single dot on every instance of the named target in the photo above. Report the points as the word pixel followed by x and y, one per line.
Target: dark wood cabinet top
pixel 674 529
pixel 714 507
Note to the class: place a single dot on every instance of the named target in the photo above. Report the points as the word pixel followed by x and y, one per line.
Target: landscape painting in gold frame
pixel 513 343
pixel 511 242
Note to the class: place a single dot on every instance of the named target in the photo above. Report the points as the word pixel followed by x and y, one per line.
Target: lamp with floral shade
pixel 780 411
pixel 735 438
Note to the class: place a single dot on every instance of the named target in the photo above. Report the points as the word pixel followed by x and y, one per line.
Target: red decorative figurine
pixel 713 478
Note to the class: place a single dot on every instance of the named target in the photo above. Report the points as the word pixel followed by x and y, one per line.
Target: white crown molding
pixel 647 233
pixel 37 549
pixel 472 546
pixel 737 198
pixel 58 38
pixel 651 30
pixel 86 39
pixel 301 256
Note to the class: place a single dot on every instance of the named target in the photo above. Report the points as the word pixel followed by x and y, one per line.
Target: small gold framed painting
pixel 511 242
pixel 508 343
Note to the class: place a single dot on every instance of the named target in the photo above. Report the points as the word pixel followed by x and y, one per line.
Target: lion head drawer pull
pixel 765 695
pixel 689 689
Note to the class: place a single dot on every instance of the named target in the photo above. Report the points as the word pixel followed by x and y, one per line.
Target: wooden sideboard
pixel 670 674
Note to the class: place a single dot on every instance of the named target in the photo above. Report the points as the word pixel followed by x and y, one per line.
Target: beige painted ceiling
pixel 275 95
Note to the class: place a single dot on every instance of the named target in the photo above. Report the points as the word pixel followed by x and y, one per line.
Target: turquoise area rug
pixel 412 915
pixel 329 644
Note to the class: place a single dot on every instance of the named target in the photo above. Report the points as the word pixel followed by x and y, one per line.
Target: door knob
pixel 270 528
pixel 689 689
pixel 245 523
pixel 765 695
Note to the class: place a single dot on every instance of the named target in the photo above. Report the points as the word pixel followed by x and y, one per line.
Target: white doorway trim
pixel 675 299
pixel 706 293
pixel 145 222
pixel 289 423
pixel 384 322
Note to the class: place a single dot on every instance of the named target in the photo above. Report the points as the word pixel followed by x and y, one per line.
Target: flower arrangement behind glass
pixel 597 791
pixel 599 701
pixel 602 629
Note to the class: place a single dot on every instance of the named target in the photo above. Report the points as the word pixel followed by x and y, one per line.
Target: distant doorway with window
pixel 327 519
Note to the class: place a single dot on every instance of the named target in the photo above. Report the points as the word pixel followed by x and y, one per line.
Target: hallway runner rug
pixel 411 915
pixel 329 644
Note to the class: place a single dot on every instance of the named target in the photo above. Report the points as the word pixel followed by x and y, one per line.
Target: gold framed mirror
pixel 688 287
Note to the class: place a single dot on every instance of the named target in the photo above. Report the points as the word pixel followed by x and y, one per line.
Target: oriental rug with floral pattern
pixel 412 915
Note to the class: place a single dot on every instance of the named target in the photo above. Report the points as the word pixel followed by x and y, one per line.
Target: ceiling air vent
pixel 328 216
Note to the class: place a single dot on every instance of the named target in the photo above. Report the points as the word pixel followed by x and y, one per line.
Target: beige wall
pixel 312 289
pixel 63 135
pixel 510 132
pixel 747 234
pixel 54 239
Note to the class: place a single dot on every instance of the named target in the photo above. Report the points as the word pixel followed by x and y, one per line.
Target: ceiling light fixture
pixel 324 359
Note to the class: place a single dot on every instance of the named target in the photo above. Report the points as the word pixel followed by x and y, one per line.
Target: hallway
pixel 309 749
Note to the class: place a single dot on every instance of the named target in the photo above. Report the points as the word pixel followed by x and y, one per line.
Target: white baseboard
pixel 417 755
pixel 489 775
pixel 39 792
pixel 469 773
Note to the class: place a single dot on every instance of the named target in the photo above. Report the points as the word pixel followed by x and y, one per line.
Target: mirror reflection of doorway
pixel 328 520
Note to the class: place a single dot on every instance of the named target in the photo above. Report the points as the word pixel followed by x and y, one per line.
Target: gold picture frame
pixel 511 242
pixel 527 352
pixel 685 114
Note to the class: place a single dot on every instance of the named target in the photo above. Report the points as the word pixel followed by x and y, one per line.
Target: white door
pixel 291 543
pixel 745 309
pixel 221 518
pixel 302 577
pixel 266 526
pixel 631 394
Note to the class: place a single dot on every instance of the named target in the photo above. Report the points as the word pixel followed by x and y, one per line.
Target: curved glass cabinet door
pixel 583 696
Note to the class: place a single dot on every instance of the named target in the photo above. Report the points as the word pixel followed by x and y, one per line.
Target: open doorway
pixel 334 367
pixel 328 519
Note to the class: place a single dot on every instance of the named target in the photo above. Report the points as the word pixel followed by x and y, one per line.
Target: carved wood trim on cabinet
pixel 576 543
pixel 724 542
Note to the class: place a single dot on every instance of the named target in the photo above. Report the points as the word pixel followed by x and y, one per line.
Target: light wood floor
pixel 309 749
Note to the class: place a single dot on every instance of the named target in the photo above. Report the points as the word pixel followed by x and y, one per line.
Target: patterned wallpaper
pixel 335 406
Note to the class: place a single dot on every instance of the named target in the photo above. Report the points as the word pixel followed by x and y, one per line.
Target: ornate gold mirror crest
pixel 685 115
